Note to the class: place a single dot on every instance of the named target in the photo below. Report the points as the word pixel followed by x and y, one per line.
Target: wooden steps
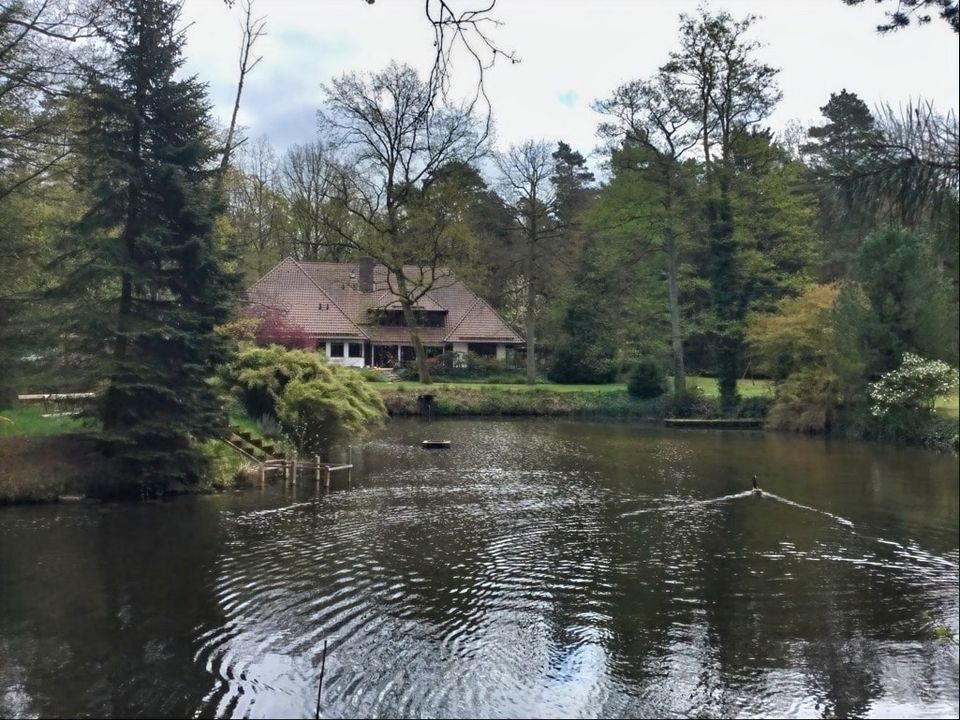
pixel 257 447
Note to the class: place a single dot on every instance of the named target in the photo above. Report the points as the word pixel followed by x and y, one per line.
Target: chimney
pixel 365 282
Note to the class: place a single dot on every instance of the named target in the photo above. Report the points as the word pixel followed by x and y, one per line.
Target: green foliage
pixel 647 380
pixel 150 284
pixel 224 465
pixel 372 375
pixel 914 386
pixel 807 401
pixel 316 404
pixel 903 426
pixel 588 353
pixel 257 376
pixel 798 335
pixel 909 302
pixel 318 413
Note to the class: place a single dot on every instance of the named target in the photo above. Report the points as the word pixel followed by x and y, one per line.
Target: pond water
pixel 537 568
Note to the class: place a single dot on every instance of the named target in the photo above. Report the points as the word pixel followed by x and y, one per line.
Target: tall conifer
pixel 149 157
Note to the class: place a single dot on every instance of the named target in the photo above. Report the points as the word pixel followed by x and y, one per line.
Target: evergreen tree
pixel 839 148
pixel 909 308
pixel 148 156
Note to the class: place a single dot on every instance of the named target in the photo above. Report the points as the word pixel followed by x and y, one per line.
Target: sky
pixel 571 52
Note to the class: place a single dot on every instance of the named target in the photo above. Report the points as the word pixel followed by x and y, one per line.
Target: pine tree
pixel 148 156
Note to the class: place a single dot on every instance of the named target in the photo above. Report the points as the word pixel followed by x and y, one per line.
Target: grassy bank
pixel 478 400
pixel 549 399
pixel 45 458
pixel 30 421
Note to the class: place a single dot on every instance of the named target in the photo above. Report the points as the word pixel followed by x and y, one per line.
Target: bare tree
pixel 911 170
pixel 258 210
pixel 253 28
pixel 39 53
pixel 526 173
pixel 652 115
pixel 393 138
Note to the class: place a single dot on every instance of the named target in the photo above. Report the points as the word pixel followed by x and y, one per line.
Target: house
pixel 348 311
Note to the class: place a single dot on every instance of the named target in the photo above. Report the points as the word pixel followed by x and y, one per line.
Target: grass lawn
pixel 949 405
pixel 747 388
pixel 29 420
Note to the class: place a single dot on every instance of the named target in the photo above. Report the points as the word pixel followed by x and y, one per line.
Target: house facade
pixel 350 312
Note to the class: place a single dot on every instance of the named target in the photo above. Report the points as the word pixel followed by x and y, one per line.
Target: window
pixel 336 349
pixel 356 350
pixel 483 349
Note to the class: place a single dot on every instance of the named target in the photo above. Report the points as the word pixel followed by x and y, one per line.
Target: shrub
pixel 914 386
pixel 754 407
pixel 647 380
pixel 274 328
pixel 319 412
pixel 372 375
pixel 257 376
pixel 589 365
pixel 316 404
pixel 807 401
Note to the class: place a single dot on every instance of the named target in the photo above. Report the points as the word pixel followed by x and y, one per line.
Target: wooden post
pixel 327 479
pixel 294 467
pixel 316 459
pixel 263 475
pixel 286 470
pixel 350 463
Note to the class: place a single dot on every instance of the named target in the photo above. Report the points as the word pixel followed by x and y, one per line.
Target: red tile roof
pixel 325 300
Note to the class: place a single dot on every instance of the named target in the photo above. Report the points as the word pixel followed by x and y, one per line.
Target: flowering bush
pixel 915 385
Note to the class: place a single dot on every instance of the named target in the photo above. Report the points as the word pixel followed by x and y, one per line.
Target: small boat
pixel 436 444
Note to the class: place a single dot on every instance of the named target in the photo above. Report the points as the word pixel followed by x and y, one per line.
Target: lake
pixel 536 568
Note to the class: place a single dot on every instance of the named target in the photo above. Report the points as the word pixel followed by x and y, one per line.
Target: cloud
pixel 568 98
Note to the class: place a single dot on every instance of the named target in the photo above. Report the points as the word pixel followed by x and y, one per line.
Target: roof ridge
pixel 466 314
pixel 490 307
pixel 499 316
pixel 269 272
pixel 327 295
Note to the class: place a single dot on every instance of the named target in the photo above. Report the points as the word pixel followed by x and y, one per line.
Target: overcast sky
pixel 571 51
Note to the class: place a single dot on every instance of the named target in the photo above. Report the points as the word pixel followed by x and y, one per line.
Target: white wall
pixel 346 361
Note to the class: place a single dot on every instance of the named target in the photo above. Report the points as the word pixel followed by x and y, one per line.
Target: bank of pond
pixel 48 456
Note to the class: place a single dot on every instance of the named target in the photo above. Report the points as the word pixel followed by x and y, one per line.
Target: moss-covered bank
pixel 52 468
pixel 46 467
pixel 494 400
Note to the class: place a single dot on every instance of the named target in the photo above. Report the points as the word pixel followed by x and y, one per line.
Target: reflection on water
pixel 535 569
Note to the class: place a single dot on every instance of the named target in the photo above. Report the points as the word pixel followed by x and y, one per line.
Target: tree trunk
pixel 673 294
pixel 676 338
pixel 423 372
pixel 112 405
pixel 531 333
pixel 727 295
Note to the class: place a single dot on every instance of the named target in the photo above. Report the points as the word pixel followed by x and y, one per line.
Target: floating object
pixel 719 423
pixel 436 444
pixel 756 488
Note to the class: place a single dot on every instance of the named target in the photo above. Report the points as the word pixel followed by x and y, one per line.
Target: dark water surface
pixel 536 569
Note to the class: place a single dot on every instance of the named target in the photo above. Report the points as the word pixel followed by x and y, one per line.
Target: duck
pixel 756 488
